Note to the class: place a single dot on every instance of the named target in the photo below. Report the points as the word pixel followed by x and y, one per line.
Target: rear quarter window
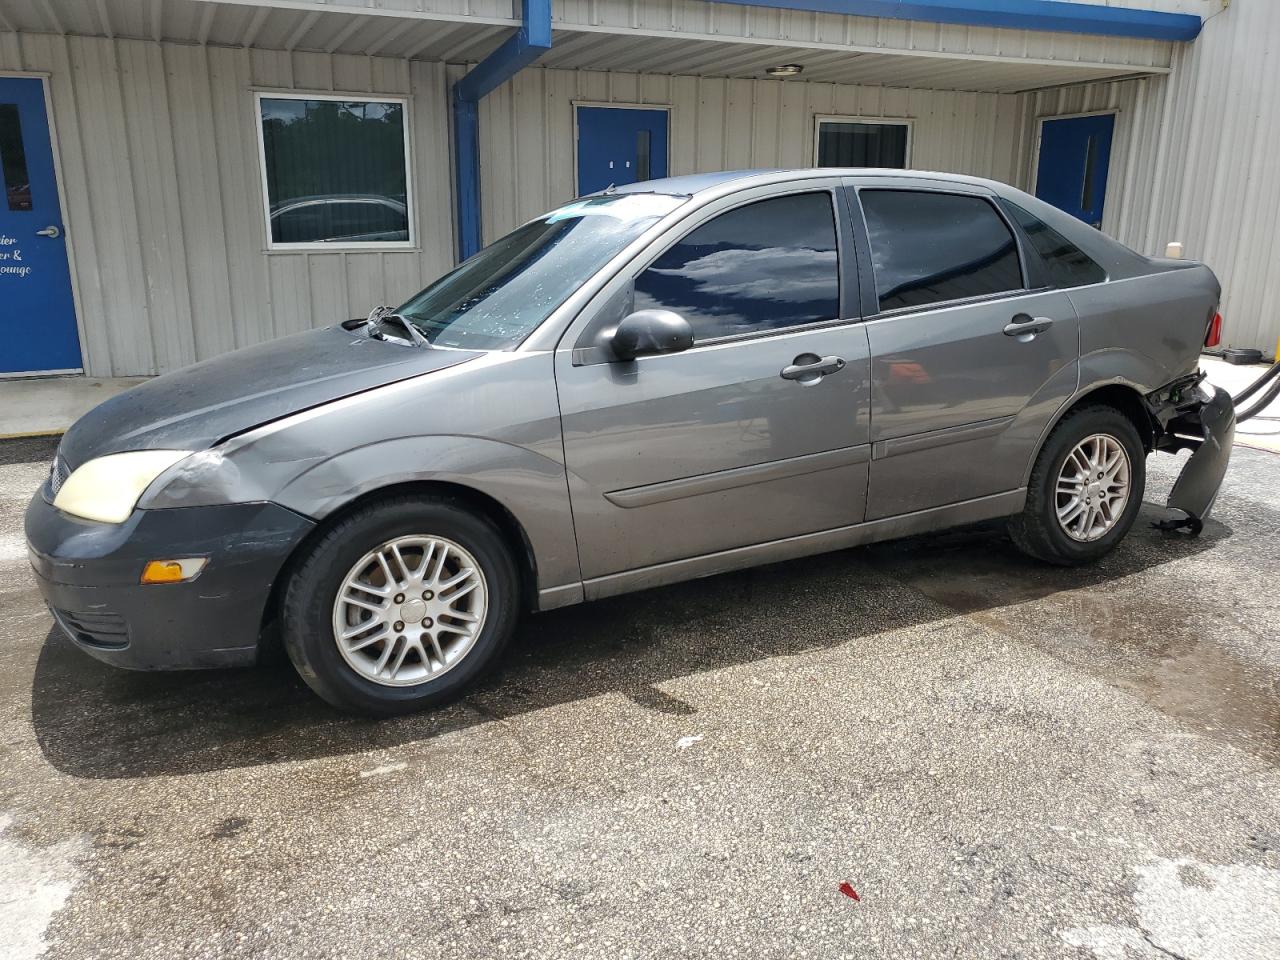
pixel 1067 264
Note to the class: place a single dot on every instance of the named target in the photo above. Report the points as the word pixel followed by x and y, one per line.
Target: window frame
pixel 582 332
pixel 821 118
pixel 406 112
pixel 870 292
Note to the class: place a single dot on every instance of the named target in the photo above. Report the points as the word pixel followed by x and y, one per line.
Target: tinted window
pixel 849 143
pixel 1068 265
pixel 764 266
pixel 345 157
pixel 931 247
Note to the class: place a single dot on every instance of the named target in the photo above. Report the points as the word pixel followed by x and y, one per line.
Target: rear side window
pixel 932 247
pixel 1068 265
pixel 764 266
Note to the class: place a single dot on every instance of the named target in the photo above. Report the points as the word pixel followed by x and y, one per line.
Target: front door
pixel 1075 154
pixel 968 366
pixel 37 313
pixel 758 432
pixel 620 145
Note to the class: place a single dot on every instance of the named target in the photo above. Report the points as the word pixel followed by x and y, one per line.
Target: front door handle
pixel 810 368
pixel 1025 327
pixel 53 233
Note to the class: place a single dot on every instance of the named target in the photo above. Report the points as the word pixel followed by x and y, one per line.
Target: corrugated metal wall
pixel 165 221
pixel 161 174
pixel 1201 161
pixel 164 199
pixel 1137 104
pixel 527 129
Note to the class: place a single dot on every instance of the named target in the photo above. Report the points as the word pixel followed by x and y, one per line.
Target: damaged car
pixel 666 380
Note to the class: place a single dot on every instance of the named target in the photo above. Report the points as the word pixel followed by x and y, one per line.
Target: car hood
pixel 196 407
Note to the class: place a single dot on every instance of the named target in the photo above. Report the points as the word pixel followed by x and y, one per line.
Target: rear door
pixel 725 444
pixel 969 362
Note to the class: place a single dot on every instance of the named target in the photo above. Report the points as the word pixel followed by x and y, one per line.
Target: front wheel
pixel 1085 490
pixel 400 605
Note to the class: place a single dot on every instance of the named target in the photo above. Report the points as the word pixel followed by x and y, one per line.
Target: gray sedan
pixel 664 381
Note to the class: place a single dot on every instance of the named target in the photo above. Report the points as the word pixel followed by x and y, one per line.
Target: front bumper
pixel 89 575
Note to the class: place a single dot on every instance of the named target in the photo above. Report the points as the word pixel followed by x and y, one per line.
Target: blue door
pixel 37 314
pixel 1074 156
pixel 619 145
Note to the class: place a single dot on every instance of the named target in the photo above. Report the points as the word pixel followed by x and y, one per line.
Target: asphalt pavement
pixel 1000 759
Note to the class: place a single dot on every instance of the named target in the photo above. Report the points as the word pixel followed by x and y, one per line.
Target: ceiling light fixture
pixel 785 70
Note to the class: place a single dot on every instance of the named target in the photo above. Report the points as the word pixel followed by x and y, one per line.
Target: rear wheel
pixel 1085 490
pixel 401 605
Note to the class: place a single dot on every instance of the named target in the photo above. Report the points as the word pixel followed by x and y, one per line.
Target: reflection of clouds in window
pixel 775 273
pixel 768 265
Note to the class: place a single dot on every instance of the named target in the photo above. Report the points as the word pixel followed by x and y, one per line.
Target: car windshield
pixel 496 298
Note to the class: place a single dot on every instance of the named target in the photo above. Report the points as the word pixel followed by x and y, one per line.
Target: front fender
pixel 531 487
pixel 491 425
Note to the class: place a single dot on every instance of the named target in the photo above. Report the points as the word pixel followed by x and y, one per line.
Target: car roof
pixel 1118 259
pixel 692 184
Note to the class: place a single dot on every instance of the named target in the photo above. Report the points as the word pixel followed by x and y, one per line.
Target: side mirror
pixel 648 332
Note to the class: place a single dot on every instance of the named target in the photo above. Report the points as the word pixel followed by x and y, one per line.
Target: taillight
pixel 1214 335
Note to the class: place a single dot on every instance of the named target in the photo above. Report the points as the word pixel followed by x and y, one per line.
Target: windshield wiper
pixel 379 316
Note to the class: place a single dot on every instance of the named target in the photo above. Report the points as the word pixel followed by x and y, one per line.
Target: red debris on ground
pixel 847 889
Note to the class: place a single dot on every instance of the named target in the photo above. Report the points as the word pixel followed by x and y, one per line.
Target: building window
pixel 852 142
pixel 335 171
pixel 931 247
pixel 13 159
pixel 764 266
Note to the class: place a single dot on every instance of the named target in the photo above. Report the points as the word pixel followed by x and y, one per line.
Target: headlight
pixel 108 488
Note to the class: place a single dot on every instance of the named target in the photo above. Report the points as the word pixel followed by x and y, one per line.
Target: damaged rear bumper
pixel 1192 415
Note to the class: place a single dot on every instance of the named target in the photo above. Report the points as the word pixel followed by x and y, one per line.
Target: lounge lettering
pixel 11 264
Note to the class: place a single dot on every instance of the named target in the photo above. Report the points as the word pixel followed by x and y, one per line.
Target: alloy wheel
pixel 1093 487
pixel 410 610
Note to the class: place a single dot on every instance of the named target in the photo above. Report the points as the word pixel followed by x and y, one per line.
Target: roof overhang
pixel 1058 16
pixel 847 50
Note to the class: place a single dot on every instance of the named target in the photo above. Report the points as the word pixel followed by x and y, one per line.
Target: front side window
pixel 932 247
pixel 764 266
pixel 862 143
pixel 1068 265
pixel 496 298
pixel 335 171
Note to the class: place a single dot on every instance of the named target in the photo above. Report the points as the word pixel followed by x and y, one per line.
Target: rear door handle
pixel 810 368
pixel 1025 327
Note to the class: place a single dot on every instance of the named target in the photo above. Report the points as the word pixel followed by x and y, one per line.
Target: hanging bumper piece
pixel 1191 415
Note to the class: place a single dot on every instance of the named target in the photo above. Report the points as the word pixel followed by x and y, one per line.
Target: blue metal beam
pixel 531 41
pixel 1056 15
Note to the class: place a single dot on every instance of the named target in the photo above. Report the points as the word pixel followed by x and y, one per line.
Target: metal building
pixel 184 177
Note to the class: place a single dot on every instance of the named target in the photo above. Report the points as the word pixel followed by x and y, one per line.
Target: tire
pixel 1037 530
pixel 418 671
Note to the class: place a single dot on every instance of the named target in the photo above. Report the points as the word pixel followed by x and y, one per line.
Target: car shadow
pixel 94 721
